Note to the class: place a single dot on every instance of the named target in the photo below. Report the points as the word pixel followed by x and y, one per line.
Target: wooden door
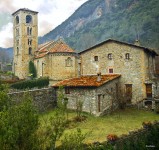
pixel 128 92
pixel 149 90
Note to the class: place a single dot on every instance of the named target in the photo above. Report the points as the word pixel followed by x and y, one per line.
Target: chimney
pixel 137 43
pixel 98 76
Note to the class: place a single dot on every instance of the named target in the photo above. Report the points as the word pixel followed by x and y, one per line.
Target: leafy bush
pixel 51 130
pixel 18 124
pixel 28 84
pixel 74 141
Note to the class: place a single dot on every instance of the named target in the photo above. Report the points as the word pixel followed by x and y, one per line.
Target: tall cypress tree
pixel 32 69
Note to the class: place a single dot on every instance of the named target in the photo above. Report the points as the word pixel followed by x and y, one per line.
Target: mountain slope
pixel 6 55
pixel 95 21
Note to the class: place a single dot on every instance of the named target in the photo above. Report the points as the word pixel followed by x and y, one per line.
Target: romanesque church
pixel 93 75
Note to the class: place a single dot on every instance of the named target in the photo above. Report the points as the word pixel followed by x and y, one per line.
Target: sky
pixel 51 14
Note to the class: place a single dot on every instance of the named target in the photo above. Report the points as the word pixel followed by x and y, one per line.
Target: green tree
pixel 18 124
pixel 32 69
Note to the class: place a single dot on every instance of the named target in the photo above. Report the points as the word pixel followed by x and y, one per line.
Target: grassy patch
pixel 119 122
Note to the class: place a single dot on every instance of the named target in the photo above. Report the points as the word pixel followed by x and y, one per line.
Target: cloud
pixel 6 6
pixel 51 14
pixel 6 36
pixel 48 27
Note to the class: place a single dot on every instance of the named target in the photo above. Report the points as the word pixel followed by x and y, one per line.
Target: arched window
pixel 110 56
pixel 17 20
pixel 68 62
pixel 28 30
pixel 30 50
pixel 127 56
pixel 29 42
pixel 28 19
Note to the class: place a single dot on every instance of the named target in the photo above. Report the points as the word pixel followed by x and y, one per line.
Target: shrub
pixel 74 141
pixel 28 84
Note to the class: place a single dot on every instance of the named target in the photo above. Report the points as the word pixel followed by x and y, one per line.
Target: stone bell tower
pixel 25 40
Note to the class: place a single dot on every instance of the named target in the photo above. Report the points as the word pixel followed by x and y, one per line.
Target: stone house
pixel 92 91
pixel 56 60
pixel 135 63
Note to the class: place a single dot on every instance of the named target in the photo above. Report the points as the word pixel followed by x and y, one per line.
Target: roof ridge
pixel 45 45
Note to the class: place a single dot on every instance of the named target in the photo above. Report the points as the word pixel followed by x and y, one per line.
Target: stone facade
pixel 55 66
pixel 135 64
pixel 43 99
pixel 25 35
pixel 98 95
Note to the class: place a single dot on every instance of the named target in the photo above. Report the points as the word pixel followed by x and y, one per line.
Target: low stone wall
pixel 43 99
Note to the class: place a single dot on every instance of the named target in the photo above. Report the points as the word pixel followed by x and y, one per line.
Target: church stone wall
pixel 55 66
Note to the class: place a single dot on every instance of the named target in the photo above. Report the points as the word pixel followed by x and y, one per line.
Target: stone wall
pixel 43 99
pixel 137 70
pixel 90 97
pixel 86 95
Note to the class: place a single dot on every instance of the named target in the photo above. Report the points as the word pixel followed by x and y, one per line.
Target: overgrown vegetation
pixel 18 123
pixel 28 84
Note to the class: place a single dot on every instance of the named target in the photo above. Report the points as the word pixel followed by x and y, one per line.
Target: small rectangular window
pixel 67 90
pixel 95 58
pixel 111 70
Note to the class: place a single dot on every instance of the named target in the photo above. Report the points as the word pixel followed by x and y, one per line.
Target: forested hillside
pixel 98 20
pixel 6 55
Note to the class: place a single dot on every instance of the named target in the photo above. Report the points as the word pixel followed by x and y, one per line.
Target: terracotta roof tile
pixel 87 81
pixel 60 46
pixel 53 47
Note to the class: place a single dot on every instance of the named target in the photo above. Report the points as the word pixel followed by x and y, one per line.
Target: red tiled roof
pixel 53 47
pixel 60 46
pixel 87 81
